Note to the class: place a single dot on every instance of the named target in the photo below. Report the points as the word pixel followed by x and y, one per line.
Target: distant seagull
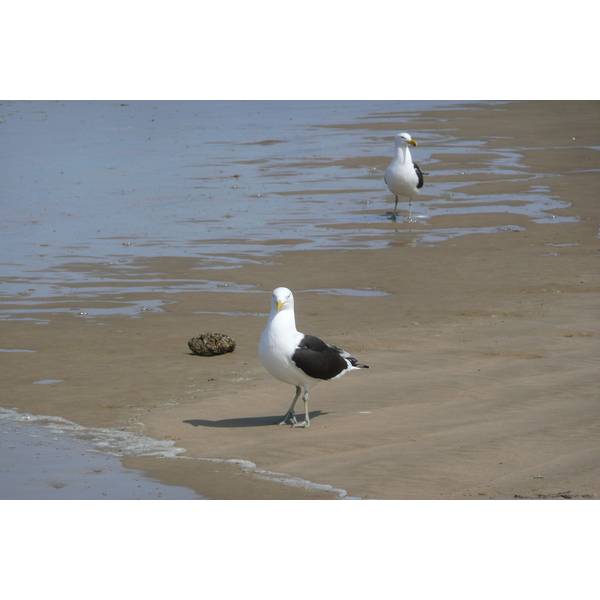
pixel 302 360
pixel 403 177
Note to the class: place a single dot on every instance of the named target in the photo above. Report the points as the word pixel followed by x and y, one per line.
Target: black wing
pixel 419 175
pixel 318 359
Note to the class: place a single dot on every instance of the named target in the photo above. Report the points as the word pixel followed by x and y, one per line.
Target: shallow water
pixel 45 458
pixel 90 189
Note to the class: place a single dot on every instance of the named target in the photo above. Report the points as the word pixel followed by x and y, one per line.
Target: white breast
pixel 277 345
pixel 401 177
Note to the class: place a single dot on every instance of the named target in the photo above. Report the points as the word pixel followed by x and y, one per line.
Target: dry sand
pixel 484 354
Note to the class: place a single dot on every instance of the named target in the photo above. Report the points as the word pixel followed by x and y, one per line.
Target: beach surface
pixel 479 322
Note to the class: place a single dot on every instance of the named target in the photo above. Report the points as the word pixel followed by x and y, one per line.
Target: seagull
pixel 403 177
pixel 299 359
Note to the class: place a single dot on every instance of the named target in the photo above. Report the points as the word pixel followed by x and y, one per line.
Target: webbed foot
pixel 289 419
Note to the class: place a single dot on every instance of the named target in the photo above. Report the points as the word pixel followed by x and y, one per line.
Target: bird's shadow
pixel 248 421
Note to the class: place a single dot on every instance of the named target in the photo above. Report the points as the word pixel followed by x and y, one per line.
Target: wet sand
pixel 483 350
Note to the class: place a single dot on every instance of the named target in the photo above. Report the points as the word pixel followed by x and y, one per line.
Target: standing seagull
pixel 292 357
pixel 403 177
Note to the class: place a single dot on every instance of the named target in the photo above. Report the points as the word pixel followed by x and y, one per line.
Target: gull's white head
pixel 402 139
pixel 282 299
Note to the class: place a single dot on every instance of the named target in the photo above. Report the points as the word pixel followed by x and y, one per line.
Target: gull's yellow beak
pixel 412 142
pixel 279 305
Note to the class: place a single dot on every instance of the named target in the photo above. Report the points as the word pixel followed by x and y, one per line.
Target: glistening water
pixel 93 189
